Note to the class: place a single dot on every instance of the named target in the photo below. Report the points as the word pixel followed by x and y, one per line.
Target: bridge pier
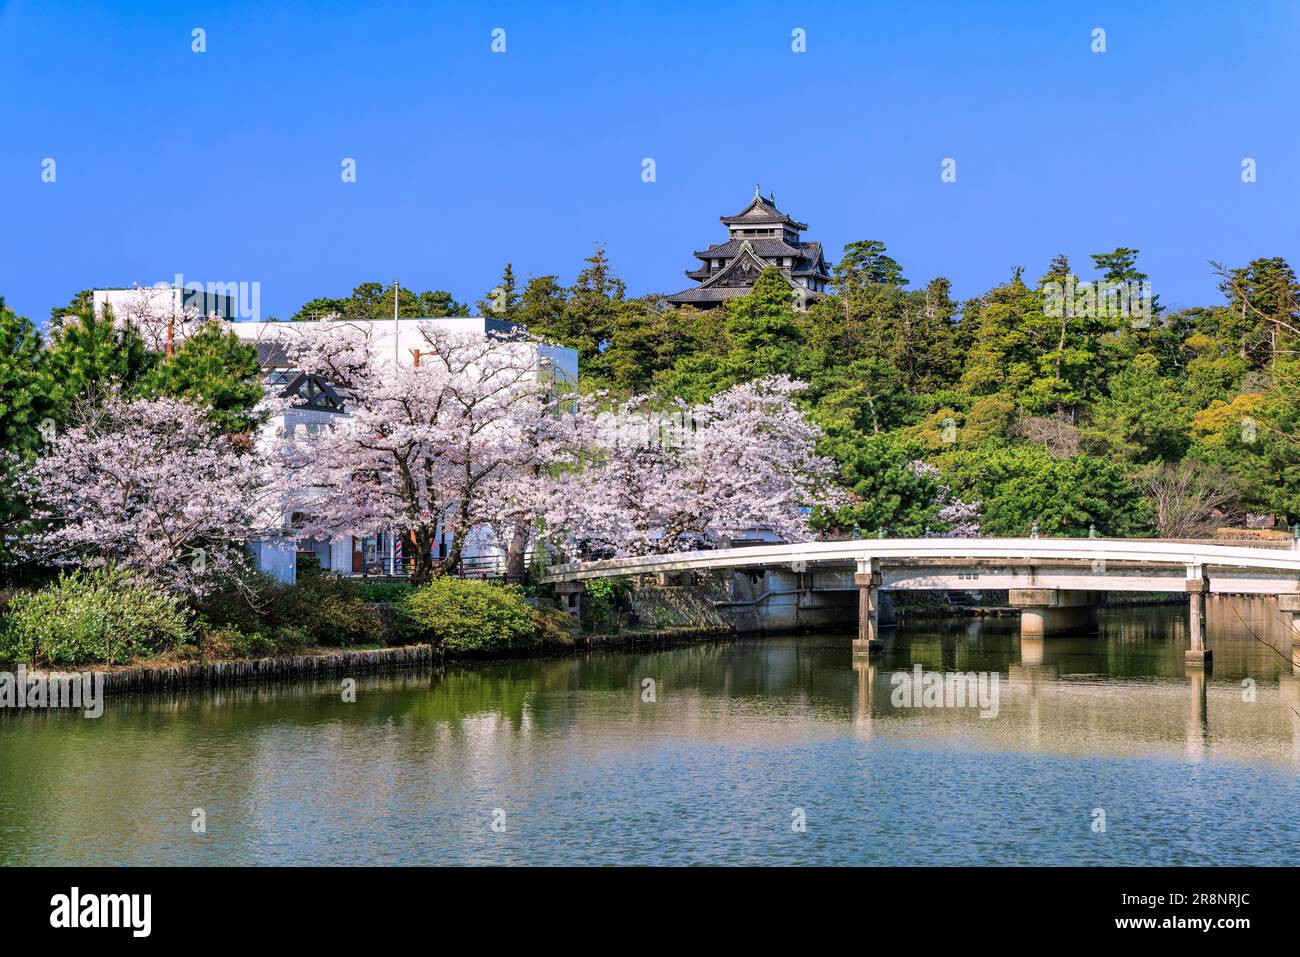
pixel 1289 606
pixel 868 641
pixel 1045 612
pixel 1198 655
pixel 571 593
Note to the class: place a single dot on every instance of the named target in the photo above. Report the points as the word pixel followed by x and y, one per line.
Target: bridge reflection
pixel 1125 690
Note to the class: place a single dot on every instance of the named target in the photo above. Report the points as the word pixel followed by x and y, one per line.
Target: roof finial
pixel 758 194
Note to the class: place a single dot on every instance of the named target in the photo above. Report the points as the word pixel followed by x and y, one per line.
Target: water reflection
pixel 739 732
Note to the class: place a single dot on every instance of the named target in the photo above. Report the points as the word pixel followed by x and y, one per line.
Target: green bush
pixel 320 609
pixel 606 600
pixel 291 639
pixel 384 591
pixel 241 604
pixel 329 609
pixel 218 642
pixel 554 627
pixel 464 616
pixel 663 618
pixel 102 615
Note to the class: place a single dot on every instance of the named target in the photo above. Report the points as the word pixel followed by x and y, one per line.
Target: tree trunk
pixel 422 565
pixel 452 561
pixel 516 550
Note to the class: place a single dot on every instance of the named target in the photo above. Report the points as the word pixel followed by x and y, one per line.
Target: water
pixel 743 737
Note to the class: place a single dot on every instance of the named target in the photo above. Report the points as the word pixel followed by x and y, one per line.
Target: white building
pixel 320 404
pixel 167 313
pixel 170 313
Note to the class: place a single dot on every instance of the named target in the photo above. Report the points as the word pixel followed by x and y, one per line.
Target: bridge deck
pixel 1067 563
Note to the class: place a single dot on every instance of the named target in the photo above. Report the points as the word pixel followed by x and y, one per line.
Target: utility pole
pixel 392 533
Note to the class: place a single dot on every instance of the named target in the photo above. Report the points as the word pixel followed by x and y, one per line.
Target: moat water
pixel 1103 750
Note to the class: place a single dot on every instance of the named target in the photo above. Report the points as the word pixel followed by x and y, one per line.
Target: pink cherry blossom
pixel 150 485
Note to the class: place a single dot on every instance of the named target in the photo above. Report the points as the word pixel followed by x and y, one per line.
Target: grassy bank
pixel 143 638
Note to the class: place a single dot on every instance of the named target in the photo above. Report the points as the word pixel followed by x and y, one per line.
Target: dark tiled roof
pixel 712 294
pixel 811 264
pixel 271 354
pixel 763 247
pixel 806 256
pixel 761 210
pixel 716 294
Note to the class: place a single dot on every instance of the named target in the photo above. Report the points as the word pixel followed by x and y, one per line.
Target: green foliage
pixel 554 628
pixel 606 599
pixel 864 263
pixel 25 403
pixel 222 642
pixel 890 496
pixel 765 331
pixel 761 334
pixel 1023 485
pixel 90 356
pixel 465 616
pixel 317 610
pixel 581 317
pixel 384 591
pixel 215 370
pixel 374 300
pixel 94 616
pixel 1142 419
pixel 662 618
pixel 1253 437
pixel 329 609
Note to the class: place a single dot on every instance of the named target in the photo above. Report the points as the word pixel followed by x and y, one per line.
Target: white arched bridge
pixel 1056 582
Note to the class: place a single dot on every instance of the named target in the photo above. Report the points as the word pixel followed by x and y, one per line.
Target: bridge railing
pixel 1192 553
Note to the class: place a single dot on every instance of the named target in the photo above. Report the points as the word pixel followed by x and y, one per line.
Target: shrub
pixel 464 616
pixel 606 599
pixel 223 641
pixel 320 609
pixel 328 609
pixel 101 615
pixel 241 604
pixel 663 618
pixel 554 627
pixel 290 639
pixel 384 591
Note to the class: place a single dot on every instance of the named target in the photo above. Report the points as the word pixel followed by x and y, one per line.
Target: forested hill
pixel 1066 415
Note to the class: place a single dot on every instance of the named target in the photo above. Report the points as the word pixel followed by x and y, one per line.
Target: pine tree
pixel 25 413
pixel 215 370
pixel 91 355
pixel 503 301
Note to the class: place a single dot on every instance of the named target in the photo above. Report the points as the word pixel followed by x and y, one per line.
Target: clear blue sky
pixel 225 166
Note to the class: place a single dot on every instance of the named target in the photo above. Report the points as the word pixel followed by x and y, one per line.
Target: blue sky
pixel 225 165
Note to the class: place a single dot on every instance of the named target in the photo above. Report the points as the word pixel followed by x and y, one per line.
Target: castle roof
pixel 761 210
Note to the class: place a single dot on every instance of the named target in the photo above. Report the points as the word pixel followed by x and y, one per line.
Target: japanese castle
pixel 760 235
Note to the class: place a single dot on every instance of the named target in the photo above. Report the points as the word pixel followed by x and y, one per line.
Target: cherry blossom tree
pixel 744 459
pixel 147 484
pixel 958 518
pixel 458 443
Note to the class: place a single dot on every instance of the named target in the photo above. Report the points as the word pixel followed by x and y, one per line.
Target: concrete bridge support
pixel 1045 612
pixel 571 593
pixel 1289 606
pixel 868 640
pixel 1198 655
